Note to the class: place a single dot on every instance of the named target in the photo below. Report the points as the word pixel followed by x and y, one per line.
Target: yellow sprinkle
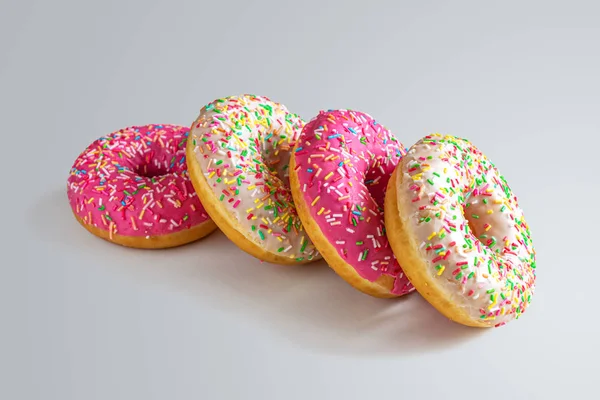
pixel 328 175
pixel 264 220
pixel 211 174
pixel 490 211
pixel 432 235
pixel 416 177
pixel 498 201
pixel 142 214
pixel 441 271
pixel 251 187
pixel 248 210
pixel 90 200
pixel 315 200
pixel 488 228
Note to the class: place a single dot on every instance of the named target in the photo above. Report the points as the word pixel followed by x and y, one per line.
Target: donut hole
pixel 376 184
pixel 151 170
pixel 474 212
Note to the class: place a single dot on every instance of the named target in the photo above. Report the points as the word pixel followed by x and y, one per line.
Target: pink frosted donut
pixel 339 174
pixel 132 188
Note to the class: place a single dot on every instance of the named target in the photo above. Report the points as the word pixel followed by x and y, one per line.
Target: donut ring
pixel 340 169
pixel 131 187
pixel 459 233
pixel 238 153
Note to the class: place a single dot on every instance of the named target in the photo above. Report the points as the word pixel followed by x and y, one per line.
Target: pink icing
pixel 134 182
pixel 343 161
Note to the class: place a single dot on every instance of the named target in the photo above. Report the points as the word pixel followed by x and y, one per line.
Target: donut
pixel 238 154
pixel 339 173
pixel 132 188
pixel 459 233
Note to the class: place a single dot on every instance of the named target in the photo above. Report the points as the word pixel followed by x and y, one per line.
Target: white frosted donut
pixel 238 156
pixel 459 233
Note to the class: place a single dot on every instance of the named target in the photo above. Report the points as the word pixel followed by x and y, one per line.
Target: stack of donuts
pixel 437 217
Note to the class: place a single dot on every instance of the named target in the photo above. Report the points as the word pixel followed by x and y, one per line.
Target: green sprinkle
pixel 261 234
pixel 364 257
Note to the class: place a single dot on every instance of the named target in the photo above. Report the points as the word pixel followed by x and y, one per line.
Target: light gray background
pixel 84 319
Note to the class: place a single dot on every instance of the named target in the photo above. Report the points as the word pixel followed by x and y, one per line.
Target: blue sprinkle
pixel 123 202
pixel 356 213
pixel 337 135
pixel 309 170
pixel 341 164
pixel 182 160
pixel 298 149
pixel 352 130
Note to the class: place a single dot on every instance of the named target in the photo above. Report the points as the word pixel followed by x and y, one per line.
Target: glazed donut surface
pixel 239 152
pixel 459 232
pixel 341 166
pixel 131 187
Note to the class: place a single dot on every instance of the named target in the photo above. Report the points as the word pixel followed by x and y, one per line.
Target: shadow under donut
pixel 306 304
